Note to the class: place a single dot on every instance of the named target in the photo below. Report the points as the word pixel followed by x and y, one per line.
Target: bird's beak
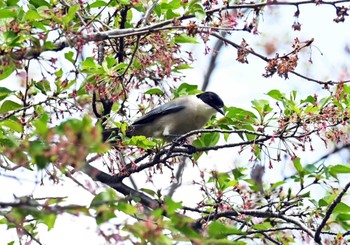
pixel 221 111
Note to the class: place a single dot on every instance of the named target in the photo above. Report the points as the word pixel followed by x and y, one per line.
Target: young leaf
pixel 217 229
pixel 186 89
pixel 39 3
pixel 13 125
pixel 141 141
pixel 7 13
pixel 9 105
pixel 276 94
pixel 183 38
pixel 71 13
pixel 338 169
pixel 105 197
pixel 298 166
pixel 98 4
pixel 210 139
pixel 32 15
pixel 49 220
pixel 69 56
pixel 7 70
pixel 4 92
pixel 126 208
pixel 341 208
pixel 262 107
pixel 157 91
pixel 171 206
pixel 149 191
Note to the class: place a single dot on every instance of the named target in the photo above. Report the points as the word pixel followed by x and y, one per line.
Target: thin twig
pixel 329 212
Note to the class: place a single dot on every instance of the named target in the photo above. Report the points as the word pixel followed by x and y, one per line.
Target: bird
pixel 176 117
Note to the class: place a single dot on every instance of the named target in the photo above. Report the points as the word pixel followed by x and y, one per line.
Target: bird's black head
pixel 213 100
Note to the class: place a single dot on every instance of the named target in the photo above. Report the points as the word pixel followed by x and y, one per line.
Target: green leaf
pixel 240 114
pixel 223 181
pixel 9 105
pixel 49 220
pixel 111 61
pixel 8 13
pixel 306 195
pixel 149 191
pixel 69 56
pixel 121 67
pixel 170 14
pixel 343 221
pixel 59 73
pixel 298 166
pixel 171 206
pixel 339 169
pixel 210 139
pixel 322 202
pixel 141 141
pixel 104 214
pixel 71 14
pixel 124 2
pixel 105 197
pixel 343 216
pixel 36 151
pixel 98 4
pixel 32 15
pixel 40 25
pixel 104 204
pixel 198 11
pixel 43 86
pixel 314 202
pixel 88 63
pixel 309 99
pixel 39 3
pixel 324 101
pixel 341 208
pixel 158 10
pixel 4 92
pixel 262 107
pixel 310 168
pixel 6 71
pixel 182 67
pixel 277 184
pixel 196 8
pixel 174 4
pixel 262 226
pixel 217 229
pixel 41 124
pixel 13 125
pixel 186 89
pixel 238 173
pixel 48 45
pixel 183 38
pixel 12 2
pixel 156 91
pixel 277 95
pixel 126 208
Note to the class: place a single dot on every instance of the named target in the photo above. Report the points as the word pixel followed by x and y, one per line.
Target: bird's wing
pixel 158 112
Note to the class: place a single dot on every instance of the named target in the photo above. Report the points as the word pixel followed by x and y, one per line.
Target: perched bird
pixel 176 117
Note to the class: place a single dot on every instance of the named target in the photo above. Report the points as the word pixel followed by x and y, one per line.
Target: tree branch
pixel 254 213
pixel 264 58
pixel 329 212
pixel 115 182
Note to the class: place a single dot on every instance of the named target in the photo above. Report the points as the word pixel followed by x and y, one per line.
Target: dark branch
pixel 329 212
